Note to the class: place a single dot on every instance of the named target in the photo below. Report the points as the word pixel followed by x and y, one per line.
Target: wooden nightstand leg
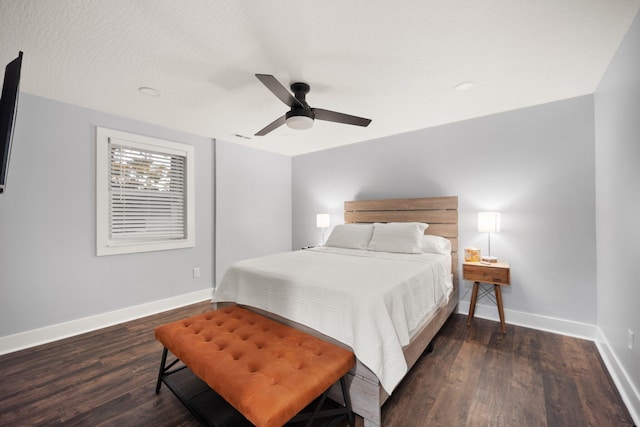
pixel 498 292
pixel 472 303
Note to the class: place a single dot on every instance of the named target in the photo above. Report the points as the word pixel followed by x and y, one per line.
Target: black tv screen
pixel 8 108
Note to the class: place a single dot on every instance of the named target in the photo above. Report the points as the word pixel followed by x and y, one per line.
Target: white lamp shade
pixel 323 220
pixel 489 222
pixel 299 122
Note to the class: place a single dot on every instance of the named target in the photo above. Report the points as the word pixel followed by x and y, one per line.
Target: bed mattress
pixel 369 301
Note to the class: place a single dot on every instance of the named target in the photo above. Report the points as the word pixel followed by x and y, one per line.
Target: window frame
pixel 104 244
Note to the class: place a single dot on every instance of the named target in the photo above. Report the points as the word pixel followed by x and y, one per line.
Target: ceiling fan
pixel 301 115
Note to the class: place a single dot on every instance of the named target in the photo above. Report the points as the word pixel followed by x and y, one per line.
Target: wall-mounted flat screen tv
pixel 8 109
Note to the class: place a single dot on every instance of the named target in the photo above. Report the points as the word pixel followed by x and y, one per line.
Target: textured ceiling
pixel 393 62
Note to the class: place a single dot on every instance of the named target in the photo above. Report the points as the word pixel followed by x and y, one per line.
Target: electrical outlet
pixel 630 336
pixel 196 272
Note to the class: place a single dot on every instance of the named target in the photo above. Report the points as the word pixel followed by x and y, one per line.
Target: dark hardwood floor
pixel 475 377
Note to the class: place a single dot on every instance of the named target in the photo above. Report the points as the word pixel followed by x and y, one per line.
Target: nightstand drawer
pixel 487 274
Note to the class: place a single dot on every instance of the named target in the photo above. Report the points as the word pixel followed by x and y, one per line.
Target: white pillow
pixel 353 236
pixel 401 237
pixel 436 244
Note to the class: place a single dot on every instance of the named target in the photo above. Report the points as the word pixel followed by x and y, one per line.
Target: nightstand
pixel 496 274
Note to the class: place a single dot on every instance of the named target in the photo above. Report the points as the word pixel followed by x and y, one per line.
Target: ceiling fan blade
pixel 278 90
pixel 333 116
pixel 273 125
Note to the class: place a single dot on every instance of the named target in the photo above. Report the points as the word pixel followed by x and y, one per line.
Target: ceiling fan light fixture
pixel 299 122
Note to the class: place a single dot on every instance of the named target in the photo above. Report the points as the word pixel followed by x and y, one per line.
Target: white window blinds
pixel 146 194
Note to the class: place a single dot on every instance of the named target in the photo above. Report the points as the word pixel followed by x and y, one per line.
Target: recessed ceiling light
pixel 148 91
pixel 464 86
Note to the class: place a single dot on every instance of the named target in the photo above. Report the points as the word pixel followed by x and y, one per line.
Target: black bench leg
pixel 336 413
pixel 161 372
pixel 347 402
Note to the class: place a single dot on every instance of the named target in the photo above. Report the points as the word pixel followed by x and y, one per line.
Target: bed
pixel 395 303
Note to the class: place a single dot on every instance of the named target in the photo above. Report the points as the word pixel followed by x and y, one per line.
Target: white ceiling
pixel 393 62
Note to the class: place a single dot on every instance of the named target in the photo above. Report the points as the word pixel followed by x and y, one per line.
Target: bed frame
pixel 441 213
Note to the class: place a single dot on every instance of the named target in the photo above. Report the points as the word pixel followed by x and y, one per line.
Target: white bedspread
pixel 370 301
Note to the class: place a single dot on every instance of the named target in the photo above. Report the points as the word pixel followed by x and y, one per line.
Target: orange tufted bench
pixel 267 371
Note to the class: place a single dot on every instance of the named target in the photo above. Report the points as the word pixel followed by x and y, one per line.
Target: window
pixel 144 193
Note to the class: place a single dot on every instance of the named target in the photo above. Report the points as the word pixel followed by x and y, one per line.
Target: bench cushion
pixel 266 370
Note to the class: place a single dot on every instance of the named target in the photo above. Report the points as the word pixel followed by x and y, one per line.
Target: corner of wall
pixel 629 393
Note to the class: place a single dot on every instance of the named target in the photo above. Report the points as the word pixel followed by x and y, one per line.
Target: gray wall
pixel 617 119
pixel 253 204
pixel 49 272
pixel 535 166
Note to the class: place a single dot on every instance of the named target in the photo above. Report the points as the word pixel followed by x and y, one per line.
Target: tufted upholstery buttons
pixel 267 371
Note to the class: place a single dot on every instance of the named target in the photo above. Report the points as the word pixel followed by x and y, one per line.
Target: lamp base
pixel 489 259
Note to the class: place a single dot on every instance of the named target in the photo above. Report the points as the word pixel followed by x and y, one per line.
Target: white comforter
pixel 370 301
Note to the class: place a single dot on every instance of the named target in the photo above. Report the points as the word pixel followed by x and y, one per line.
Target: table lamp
pixel 489 222
pixel 323 221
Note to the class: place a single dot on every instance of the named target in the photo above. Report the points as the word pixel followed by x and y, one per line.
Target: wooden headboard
pixel 441 213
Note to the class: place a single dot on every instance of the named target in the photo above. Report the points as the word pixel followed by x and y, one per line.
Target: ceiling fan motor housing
pixel 298 117
pixel 300 112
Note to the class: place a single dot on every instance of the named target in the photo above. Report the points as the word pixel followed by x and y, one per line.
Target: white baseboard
pixel 628 391
pixel 533 321
pixel 22 340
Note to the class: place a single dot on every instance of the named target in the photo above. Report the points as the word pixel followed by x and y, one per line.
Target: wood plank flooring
pixel 475 377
